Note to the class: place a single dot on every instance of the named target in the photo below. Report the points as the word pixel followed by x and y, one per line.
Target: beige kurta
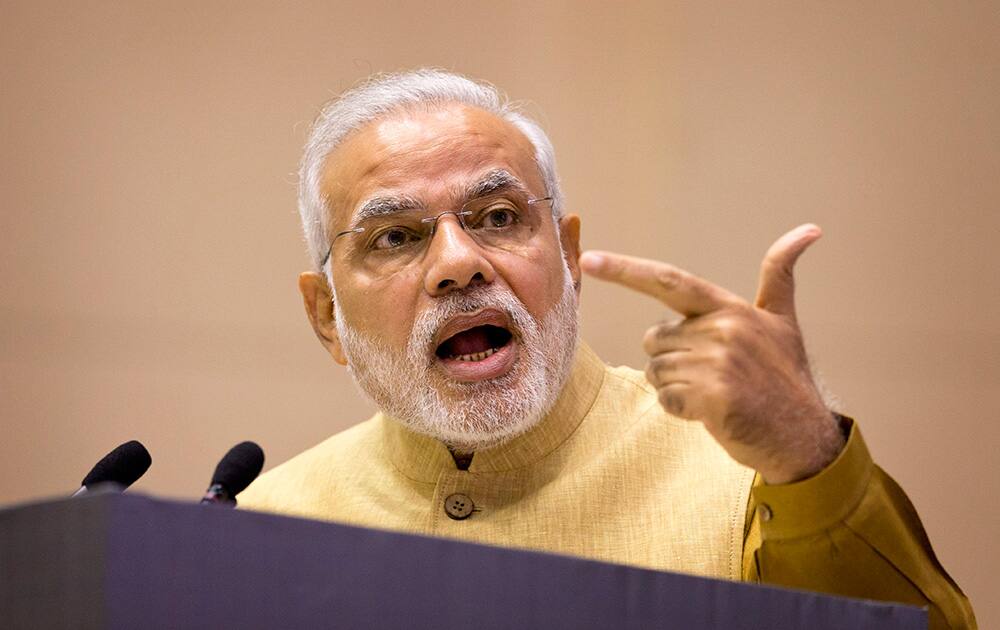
pixel 609 475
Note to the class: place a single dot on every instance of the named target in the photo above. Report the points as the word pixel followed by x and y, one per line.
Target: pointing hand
pixel 739 368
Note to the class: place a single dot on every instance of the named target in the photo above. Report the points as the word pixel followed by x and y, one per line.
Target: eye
pixel 393 238
pixel 498 218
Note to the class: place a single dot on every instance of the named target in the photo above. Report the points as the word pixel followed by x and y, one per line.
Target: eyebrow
pixel 495 181
pixel 382 206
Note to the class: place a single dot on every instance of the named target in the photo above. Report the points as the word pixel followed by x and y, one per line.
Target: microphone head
pixel 123 466
pixel 239 467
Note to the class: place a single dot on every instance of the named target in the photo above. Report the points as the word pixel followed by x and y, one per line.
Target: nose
pixel 454 261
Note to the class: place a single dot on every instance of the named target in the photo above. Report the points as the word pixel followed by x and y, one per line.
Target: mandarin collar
pixel 423 458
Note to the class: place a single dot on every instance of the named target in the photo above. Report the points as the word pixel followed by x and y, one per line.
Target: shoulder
pixel 332 459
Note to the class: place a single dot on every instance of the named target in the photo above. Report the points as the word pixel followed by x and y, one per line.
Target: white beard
pixel 468 416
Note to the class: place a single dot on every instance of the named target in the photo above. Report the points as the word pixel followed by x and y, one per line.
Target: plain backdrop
pixel 151 241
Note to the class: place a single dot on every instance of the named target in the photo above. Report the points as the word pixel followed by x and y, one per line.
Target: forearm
pixel 849 530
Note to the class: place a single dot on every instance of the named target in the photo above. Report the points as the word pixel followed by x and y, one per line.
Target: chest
pixel 679 510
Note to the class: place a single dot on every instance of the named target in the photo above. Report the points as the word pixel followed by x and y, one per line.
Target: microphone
pixel 121 467
pixel 235 471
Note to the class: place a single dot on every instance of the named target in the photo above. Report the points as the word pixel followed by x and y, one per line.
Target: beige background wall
pixel 150 239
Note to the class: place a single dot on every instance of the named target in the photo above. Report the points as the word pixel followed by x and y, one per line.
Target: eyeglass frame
pixel 459 214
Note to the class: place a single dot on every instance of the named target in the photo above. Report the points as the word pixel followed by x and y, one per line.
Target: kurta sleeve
pixel 849 530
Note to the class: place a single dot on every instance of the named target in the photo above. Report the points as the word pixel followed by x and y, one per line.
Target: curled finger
pixel 663 337
pixel 680 399
pixel 665 367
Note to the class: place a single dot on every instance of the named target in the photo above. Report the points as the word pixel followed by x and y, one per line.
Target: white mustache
pixel 425 327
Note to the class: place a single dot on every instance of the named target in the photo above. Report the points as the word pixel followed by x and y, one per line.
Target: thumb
pixel 776 291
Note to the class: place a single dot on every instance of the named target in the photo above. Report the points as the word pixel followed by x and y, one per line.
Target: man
pixel 446 277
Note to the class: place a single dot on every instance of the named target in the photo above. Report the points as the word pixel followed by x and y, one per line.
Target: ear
pixel 317 298
pixel 569 236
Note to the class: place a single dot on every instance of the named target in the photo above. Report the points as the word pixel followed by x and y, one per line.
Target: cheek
pixel 382 310
pixel 537 280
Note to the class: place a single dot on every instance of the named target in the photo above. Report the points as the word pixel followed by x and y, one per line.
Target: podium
pixel 130 561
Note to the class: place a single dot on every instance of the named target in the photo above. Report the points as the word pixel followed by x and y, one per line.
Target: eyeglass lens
pixel 385 245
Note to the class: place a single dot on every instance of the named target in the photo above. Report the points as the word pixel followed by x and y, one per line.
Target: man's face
pixel 463 328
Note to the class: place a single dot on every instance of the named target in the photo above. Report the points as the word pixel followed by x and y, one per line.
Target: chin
pixel 479 372
pixel 484 414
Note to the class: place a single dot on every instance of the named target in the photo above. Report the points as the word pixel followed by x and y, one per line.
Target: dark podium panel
pixel 127 561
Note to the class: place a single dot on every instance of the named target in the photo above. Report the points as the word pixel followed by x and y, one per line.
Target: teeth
pixel 475 356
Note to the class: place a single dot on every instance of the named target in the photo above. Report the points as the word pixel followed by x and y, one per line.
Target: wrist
pixel 816 451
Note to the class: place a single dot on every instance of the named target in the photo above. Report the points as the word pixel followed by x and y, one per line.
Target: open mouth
pixel 475 344
pixel 477 347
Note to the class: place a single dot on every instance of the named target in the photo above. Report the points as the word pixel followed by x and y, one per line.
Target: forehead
pixel 424 154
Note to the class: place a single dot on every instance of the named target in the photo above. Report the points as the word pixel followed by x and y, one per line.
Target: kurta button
pixel 765 512
pixel 458 507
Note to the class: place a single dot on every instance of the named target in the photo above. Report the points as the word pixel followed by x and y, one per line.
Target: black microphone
pixel 235 471
pixel 121 467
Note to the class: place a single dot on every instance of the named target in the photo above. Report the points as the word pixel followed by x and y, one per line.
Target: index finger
pixel 682 291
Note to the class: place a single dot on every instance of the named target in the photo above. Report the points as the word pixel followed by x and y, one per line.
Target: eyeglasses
pixel 384 245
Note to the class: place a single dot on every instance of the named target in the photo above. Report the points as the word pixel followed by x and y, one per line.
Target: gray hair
pixel 384 94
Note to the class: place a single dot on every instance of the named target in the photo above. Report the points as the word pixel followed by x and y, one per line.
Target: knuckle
pixel 720 357
pixel 672 401
pixel 662 394
pixel 668 279
pixel 654 372
pixel 728 328
pixel 649 339
pixel 651 374
pixel 656 336
pixel 661 365
pixel 722 330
